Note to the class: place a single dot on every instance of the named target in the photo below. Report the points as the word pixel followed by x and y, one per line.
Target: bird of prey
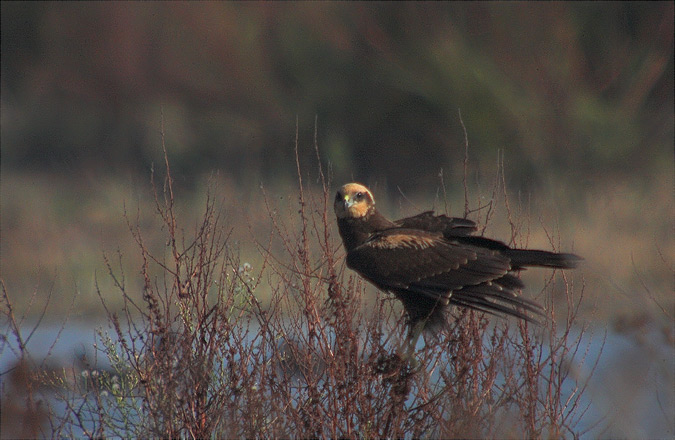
pixel 430 261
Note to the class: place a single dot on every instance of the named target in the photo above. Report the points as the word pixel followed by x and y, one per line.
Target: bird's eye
pixel 359 195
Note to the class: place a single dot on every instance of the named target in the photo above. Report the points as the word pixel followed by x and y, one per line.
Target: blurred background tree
pixel 583 90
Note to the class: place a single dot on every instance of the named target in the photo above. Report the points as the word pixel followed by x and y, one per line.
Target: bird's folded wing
pixel 401 258
pixel 428 221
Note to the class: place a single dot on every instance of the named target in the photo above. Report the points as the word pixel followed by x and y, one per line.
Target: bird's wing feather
pixel 428 221
pixel 424 262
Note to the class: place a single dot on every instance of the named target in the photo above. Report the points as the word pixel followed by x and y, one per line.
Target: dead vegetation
pixel 201 356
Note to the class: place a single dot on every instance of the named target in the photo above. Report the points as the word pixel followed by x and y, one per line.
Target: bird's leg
pixel 414 335
pixel 406 351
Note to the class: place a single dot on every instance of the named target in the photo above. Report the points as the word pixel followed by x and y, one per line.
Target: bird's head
pixel 353 200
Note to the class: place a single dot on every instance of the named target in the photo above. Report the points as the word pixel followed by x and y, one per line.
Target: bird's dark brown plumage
pixel 431 261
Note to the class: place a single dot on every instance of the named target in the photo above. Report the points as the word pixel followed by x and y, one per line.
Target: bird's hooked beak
pixel 347 202
pixel 345 205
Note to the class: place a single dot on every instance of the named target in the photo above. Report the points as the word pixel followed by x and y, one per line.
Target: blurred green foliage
pixel 583 90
